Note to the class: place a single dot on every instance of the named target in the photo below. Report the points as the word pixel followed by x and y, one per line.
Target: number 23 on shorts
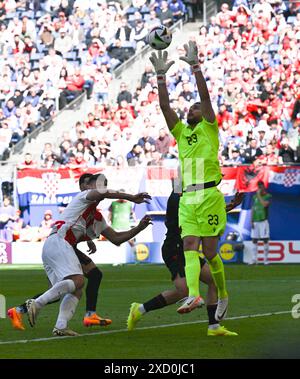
pixel 213 219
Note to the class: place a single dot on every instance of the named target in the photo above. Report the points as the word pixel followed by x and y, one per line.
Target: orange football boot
pixel 95 320
pixel 16 318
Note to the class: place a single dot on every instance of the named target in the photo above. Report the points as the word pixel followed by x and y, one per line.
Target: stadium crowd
pixel 251 61
pixel 54 50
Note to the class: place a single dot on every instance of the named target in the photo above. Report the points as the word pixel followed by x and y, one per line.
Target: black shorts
pixel 173 256
pixel 83 258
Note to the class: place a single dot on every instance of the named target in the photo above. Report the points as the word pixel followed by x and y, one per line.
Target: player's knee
pixel 78 281
pixel 189 243
pixel 95 275
pixel 78 293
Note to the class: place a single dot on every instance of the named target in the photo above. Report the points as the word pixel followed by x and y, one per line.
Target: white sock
pixel 255 249
pixel 66 310
pixel 142 309
pixel 213 326
pixel 266 251
pixel 55 292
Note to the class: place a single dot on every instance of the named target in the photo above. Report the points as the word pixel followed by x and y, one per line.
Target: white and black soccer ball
pixel 160 37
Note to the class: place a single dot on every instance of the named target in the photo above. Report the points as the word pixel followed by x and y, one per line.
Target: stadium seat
pixel 273 48
pixel 291 19
pixel 70 56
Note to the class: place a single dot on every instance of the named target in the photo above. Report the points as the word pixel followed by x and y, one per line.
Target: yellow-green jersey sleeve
pixel 177 130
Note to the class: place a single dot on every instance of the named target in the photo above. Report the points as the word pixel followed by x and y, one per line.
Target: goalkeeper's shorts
pixel 202 213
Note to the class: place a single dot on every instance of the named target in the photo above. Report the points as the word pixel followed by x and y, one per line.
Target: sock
pixel 89 313
pixel 217 270
pixel 155 303
pixel 142 309
pixel 23 309
pixel 55 292
pixel 192 271
pixel 255 249
pixel 66 310
pixel 94 281
pixel 212 322
pixel 266 251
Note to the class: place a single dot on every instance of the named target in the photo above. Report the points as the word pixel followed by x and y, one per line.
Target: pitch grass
pixel 253 290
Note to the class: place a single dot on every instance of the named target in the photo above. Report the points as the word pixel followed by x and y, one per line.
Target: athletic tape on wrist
pixel 161 79
pixel 196 67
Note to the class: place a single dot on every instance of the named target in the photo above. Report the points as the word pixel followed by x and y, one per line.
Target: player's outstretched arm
pixel 237 200
pixel 98 195
pixel 161 66
pixel 191 58
pixel 117 238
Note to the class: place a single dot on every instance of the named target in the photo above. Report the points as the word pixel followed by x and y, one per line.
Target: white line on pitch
pixel 142 328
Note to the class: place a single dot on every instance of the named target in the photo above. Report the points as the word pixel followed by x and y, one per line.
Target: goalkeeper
pixel 202 216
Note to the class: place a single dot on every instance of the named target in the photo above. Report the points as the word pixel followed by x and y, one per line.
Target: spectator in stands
pixel 166 15
pixel 17 225
pixel 234 158
pixel 63 43
pixel 125 33
pixel 5 138
pixel 135 156
pixel 140 34
pixel 146 138
pixel 224 17
pixel 252 152
pixel 162 144
pixel 28 162
pixel 124 94
pixel 294 135
pixel 177 8
pixel 270 158
pixel 286 153
pixel 153 20
pixel 45 226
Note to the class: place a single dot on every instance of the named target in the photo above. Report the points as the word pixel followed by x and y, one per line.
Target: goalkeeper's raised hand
pixel 191 53
pixel 160 62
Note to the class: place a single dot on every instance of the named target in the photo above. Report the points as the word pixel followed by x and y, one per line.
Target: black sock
pixel 155 303
pixel 94 280
pixel 211 310
pixel 24 308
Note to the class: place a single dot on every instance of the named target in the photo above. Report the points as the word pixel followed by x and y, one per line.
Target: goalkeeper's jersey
pixel 198 152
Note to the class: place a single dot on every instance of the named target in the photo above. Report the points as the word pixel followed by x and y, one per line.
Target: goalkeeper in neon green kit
pixel 202 215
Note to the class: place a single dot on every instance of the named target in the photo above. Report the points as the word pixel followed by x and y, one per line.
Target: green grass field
pixel 257 291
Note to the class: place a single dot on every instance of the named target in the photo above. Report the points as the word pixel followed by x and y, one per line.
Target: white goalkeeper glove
pixel 191 54
pixel 160 62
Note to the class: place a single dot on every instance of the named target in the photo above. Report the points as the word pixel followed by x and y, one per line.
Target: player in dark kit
pixel 173 256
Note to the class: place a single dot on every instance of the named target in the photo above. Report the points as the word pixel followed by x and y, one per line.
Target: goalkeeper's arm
pixel 161 66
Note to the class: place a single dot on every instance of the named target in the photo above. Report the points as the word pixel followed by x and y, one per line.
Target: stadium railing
pixel 210 9
pixel 139 56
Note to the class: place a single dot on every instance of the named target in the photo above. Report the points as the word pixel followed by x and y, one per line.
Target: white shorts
pixel 59 259
pixel 261 230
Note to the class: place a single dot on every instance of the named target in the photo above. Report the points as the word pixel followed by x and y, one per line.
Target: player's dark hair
pixel 260 183
pixel 83 177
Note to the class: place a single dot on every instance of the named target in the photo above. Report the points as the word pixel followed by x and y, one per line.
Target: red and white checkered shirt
pixel 80 221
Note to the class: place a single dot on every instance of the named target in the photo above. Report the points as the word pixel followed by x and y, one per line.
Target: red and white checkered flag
pixel 51 183
pixel 290 177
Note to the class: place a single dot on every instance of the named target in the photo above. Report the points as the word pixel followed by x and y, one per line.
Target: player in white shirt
pixel 61 264
pixel 90 270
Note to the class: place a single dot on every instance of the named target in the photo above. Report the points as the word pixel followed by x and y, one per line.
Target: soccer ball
pixel 159 38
